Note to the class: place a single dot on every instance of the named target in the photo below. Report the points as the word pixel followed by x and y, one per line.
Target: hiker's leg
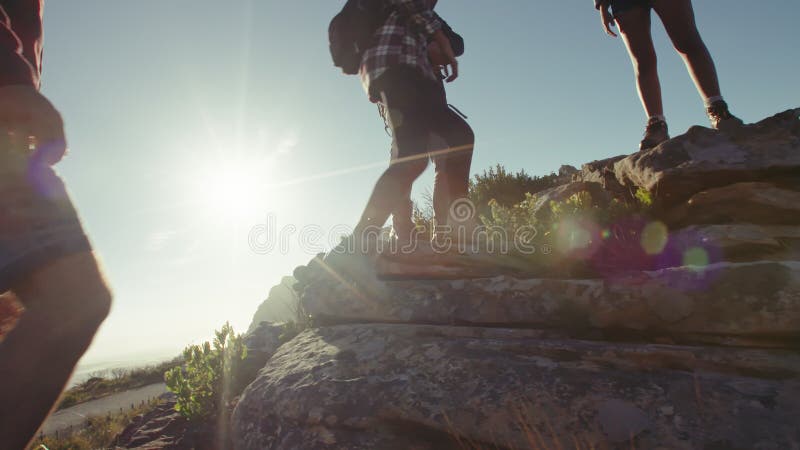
pixel 65 303
pixel 402 215
pixel 453 164
pixel 403 218
pixel 47 261
pixel 634 25
pixel 391 190
pixel 403 92
pixel 679 21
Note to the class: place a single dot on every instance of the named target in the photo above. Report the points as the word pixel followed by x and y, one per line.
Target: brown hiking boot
pixel 721 119
pixel 655 133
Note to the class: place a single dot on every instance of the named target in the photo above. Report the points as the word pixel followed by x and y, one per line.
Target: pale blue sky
pixel 160 95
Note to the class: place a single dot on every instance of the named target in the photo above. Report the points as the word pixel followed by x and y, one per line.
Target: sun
pixel 229 179
pixel 232 189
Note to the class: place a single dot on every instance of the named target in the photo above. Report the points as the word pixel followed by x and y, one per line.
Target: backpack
pixel 352 31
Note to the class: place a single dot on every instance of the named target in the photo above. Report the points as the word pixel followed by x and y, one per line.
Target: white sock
pixel 711 100
pixel 659 117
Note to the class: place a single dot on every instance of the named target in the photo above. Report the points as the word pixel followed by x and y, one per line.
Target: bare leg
pixel 402 218
pixel 391 190
pixel 678 19
pixel 65 303
pixel 635 28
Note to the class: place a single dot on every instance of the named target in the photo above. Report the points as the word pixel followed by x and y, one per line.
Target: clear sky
pixel 190 123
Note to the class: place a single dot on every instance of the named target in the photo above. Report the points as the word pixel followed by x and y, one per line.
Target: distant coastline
pixel 86 370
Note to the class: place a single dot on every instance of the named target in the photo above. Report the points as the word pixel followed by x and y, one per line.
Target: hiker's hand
pixel 29 120
pixel 608 20
pixel 436 56
pixel 449 61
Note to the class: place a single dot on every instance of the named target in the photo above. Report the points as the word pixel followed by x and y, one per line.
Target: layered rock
pixel 704 159
pixel 278 306
pixel 759 301
pixel 702 352
pixel 437 387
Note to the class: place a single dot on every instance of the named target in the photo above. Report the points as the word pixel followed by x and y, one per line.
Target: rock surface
pixel 165 429
pixel 261 344
pixel 437 387
pixel 760 203
pixel 279 305
pixel 749 242
pixel 703 159
pixel 738 300
pixel 680 331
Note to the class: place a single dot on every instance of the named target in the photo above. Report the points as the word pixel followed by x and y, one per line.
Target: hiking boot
pixel 721 119
pixel 655 133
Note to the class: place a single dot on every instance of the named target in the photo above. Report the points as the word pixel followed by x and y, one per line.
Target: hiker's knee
pixel 96 305
pixel 689 44
pixel 410 169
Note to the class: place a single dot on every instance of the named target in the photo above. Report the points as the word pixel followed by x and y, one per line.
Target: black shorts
pixel 38 223
pixel 416 109
pixel 620 6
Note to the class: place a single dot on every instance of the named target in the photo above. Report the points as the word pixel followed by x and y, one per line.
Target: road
pixel 77 414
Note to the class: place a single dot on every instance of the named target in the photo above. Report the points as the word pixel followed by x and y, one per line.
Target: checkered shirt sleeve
pixel 402 40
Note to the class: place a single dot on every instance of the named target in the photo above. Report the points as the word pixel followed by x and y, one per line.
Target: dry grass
pixel 99 432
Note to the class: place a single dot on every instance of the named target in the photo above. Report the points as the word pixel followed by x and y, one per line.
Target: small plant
pixel 644 197
pixel 203 384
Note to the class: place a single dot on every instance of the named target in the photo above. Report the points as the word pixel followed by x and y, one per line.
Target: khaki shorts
pixel 38 223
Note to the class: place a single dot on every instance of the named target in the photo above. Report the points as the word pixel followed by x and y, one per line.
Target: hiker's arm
pixel 606 18
pixel 456 41
pixel 26 116
pixel 418 16
pixel 14 68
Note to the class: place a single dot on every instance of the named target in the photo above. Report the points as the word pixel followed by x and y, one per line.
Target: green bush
pixel 505 188
pixel 203 384
pixel 575 223
pixel 495 186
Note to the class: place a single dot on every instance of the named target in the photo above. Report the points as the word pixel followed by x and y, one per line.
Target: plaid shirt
pixel 20 41
pixel 402 40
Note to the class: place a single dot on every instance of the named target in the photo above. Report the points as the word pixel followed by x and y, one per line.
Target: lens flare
pixel 654 238
pixel 696 257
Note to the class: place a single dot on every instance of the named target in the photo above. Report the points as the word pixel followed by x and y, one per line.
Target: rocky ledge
pixel 682 354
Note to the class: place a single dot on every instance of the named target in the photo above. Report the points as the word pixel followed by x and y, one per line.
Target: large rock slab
pixel 435 387
pixel 261 344
pixel 758 203
pixel 755 300
pixel 748 242
pixel 703 159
